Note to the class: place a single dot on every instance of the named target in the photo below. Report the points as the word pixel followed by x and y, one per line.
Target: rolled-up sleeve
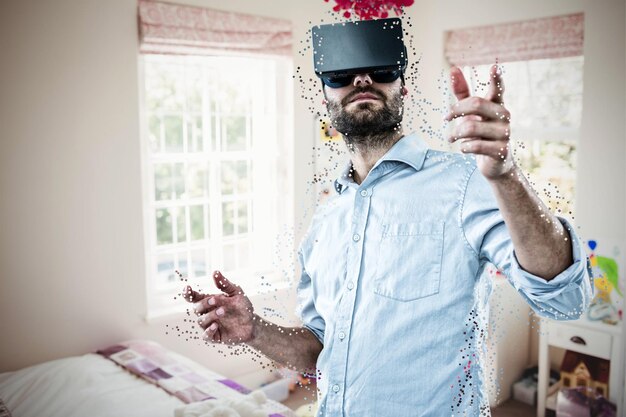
pixel 305 308
pixel 564 297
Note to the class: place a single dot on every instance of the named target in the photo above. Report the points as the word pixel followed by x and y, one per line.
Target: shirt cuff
pixel 316 332
pixel 571 278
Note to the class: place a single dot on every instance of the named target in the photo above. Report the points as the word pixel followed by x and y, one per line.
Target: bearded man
pixel 392 265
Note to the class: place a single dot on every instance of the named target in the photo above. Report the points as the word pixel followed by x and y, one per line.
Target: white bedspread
pixel 252 405
pixel 85 386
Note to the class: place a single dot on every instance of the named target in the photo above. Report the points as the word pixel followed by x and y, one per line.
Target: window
pixel 216 170
pixel 544 97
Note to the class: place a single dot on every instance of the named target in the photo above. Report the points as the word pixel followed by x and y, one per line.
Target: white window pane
pixel 199 268
pixel 163 87
pixel 163 186
pixel 229 177
pixel 165 269
pixel 194 134
pixel 182 265
pixel 234 133
pixel 243 255
pixel 230 257
pixel 242 217
pixel 242 175
pixel 154 133
pixel 214 129
pixel 197 180
pixel 179 180
pixel 233 92
pixel 228 218
pixel 196 219
pixel 181 224
pixel 194 85
pixel 173 130
pixel 163 226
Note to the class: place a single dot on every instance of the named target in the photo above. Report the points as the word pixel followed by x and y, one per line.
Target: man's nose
pixel 361 79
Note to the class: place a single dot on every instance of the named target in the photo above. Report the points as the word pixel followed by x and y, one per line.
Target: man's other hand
pixel 225 318
pixel 485 126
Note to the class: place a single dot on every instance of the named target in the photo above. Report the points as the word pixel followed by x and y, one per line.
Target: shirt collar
pixel 410 150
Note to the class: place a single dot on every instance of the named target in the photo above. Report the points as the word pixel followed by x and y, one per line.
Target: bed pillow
pixel 176 374
pixel 180 376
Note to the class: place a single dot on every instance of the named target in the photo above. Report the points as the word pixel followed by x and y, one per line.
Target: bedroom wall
pixel 71 246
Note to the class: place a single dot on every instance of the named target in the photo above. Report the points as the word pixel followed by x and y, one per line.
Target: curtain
pixel 166 28
pixel 552 37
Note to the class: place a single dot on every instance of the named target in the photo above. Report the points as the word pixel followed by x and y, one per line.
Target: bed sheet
pixel 136 378
pixel 88 385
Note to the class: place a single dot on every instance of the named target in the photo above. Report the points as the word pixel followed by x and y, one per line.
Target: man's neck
pixel 365 152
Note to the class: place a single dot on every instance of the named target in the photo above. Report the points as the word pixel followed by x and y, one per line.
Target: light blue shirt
pixel 391 285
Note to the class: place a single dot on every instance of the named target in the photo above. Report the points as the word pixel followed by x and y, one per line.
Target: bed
pixel 135 378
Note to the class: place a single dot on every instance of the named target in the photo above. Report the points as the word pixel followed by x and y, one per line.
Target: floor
pixel 511 408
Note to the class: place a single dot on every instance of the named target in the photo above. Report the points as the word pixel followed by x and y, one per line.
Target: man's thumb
pixel 225 285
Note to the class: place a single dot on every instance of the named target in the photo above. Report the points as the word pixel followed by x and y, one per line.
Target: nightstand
pixel 592 338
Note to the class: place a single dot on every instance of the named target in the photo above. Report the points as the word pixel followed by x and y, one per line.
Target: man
pixel 393 319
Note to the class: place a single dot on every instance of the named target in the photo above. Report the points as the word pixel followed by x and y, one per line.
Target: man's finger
pixel 212 316
pixel 487 110
pixel 225 285
pixel 212 334
pixel 210 302
pixel 192 296
pixel 477 129
pixel 459 85
pixel 495 149
pixel 495 91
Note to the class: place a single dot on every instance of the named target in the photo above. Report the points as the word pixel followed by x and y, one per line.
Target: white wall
pixel 71 246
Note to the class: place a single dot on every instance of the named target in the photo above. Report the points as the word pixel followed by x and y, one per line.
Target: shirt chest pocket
pixel 409 260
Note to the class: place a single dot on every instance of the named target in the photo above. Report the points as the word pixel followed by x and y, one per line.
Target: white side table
pixel 583 336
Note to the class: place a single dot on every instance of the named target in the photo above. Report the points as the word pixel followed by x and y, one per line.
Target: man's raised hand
pixel 485 128
pixel 225 318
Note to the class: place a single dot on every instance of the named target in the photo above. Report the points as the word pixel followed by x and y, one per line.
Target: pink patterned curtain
pixel 553 37
pixel 166 28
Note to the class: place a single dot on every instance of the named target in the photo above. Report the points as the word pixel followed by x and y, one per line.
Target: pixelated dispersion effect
pixel 418 111
pixel 370 9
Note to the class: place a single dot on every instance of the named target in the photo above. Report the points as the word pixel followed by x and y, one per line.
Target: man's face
pixel 365 108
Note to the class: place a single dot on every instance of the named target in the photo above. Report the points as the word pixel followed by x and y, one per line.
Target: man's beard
pixel 365 126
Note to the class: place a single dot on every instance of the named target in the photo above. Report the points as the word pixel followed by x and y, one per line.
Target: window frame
pixel 160 299
pixel 531 135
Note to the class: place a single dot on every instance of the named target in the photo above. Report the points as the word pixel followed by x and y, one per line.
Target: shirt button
pixel 356 237
pixel 364 193
pixel 342 335
pixel 335 388
pixel 350 285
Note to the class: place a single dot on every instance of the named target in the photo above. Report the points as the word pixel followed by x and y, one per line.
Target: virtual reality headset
pixel 376 47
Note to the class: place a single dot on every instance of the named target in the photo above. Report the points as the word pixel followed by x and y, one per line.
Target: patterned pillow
pixel 178 375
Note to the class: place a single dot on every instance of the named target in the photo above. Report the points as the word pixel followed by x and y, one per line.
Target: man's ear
pixel 404 90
